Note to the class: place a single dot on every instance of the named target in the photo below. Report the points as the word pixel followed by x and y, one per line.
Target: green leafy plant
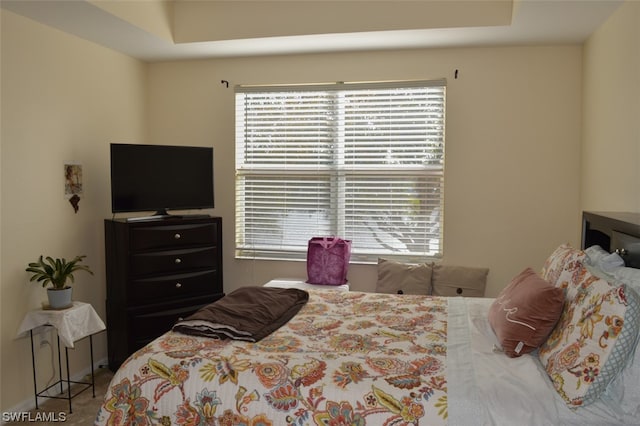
pixel 56 271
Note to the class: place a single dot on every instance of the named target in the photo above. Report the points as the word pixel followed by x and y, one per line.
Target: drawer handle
pixel 622 252
pixel 178 261
pixel 178 285
pixel 459 291
pixel 177 236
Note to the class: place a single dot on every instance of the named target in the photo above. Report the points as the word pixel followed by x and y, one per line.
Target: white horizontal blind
pixel 360 161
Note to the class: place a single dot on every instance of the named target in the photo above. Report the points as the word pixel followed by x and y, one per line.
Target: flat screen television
pixel 160 178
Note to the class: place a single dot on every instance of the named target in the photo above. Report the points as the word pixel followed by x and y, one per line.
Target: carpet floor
pixel 84 405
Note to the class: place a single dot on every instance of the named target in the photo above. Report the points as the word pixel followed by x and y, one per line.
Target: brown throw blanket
pixel 248 313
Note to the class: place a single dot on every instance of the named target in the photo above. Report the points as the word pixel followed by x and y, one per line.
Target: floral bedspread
pixel 347 358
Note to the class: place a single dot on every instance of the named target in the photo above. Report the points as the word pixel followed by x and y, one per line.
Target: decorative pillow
pixel 525 312
pixel 593 339
pixel 395 277
pixel 624 391
pixel 561 264
pixel 459 280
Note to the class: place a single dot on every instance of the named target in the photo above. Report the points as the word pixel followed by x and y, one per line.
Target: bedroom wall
pixel 512 144
pixel 63 100
pixel 611 141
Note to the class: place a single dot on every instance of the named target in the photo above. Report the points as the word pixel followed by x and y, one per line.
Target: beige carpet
pixel 84 406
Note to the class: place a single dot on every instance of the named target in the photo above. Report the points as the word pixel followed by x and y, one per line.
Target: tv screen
pixel 160 178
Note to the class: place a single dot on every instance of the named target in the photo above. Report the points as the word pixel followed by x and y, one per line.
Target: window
pixel 363 161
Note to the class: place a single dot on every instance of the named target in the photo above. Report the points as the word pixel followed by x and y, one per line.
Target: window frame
pixel 337 176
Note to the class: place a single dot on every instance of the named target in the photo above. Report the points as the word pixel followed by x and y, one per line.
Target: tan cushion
pixel 465 281
pixel 525 312
pixel 407 278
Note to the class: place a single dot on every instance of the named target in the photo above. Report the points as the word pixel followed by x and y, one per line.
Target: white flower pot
pixel 59 299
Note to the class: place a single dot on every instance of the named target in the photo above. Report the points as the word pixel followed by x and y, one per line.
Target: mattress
pixel 347 358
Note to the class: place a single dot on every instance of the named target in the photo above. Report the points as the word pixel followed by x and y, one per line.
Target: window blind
pixel 363 161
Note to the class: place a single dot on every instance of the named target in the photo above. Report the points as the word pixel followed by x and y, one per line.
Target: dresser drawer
pixel 149 323
pixel 149 290
pixel 171 261
pixel 174 236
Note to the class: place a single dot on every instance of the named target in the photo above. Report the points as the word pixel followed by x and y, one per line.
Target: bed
pixel 355 358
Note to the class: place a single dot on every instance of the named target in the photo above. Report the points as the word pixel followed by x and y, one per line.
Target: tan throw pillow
pixel 525 312
pixel 394 277
pixel 459 281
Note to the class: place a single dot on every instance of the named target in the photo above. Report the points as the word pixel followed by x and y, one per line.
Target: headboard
pixel 617 232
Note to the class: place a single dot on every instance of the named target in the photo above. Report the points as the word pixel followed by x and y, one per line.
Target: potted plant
pixel 56 272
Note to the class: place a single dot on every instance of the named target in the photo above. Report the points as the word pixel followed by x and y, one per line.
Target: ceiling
pixel 162 30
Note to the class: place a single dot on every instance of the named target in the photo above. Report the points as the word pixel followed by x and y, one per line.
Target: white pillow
pixel 628 276
pixel 611 267
pixel 595 254
pixel 611 263
pixel 599 257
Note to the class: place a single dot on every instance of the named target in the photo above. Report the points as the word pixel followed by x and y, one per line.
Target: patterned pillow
pixel 593 339
pixel 561 265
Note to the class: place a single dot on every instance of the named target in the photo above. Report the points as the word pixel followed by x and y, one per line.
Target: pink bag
pixel 328 260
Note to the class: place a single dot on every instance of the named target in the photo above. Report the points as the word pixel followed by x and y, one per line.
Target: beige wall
pixel 512 148
pixel 63 100
pixel 611 132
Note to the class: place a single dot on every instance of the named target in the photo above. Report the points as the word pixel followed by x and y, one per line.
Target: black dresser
pixel 157 272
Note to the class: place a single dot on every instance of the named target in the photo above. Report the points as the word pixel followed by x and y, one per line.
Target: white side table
pixel 301 284
pixel 71 324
